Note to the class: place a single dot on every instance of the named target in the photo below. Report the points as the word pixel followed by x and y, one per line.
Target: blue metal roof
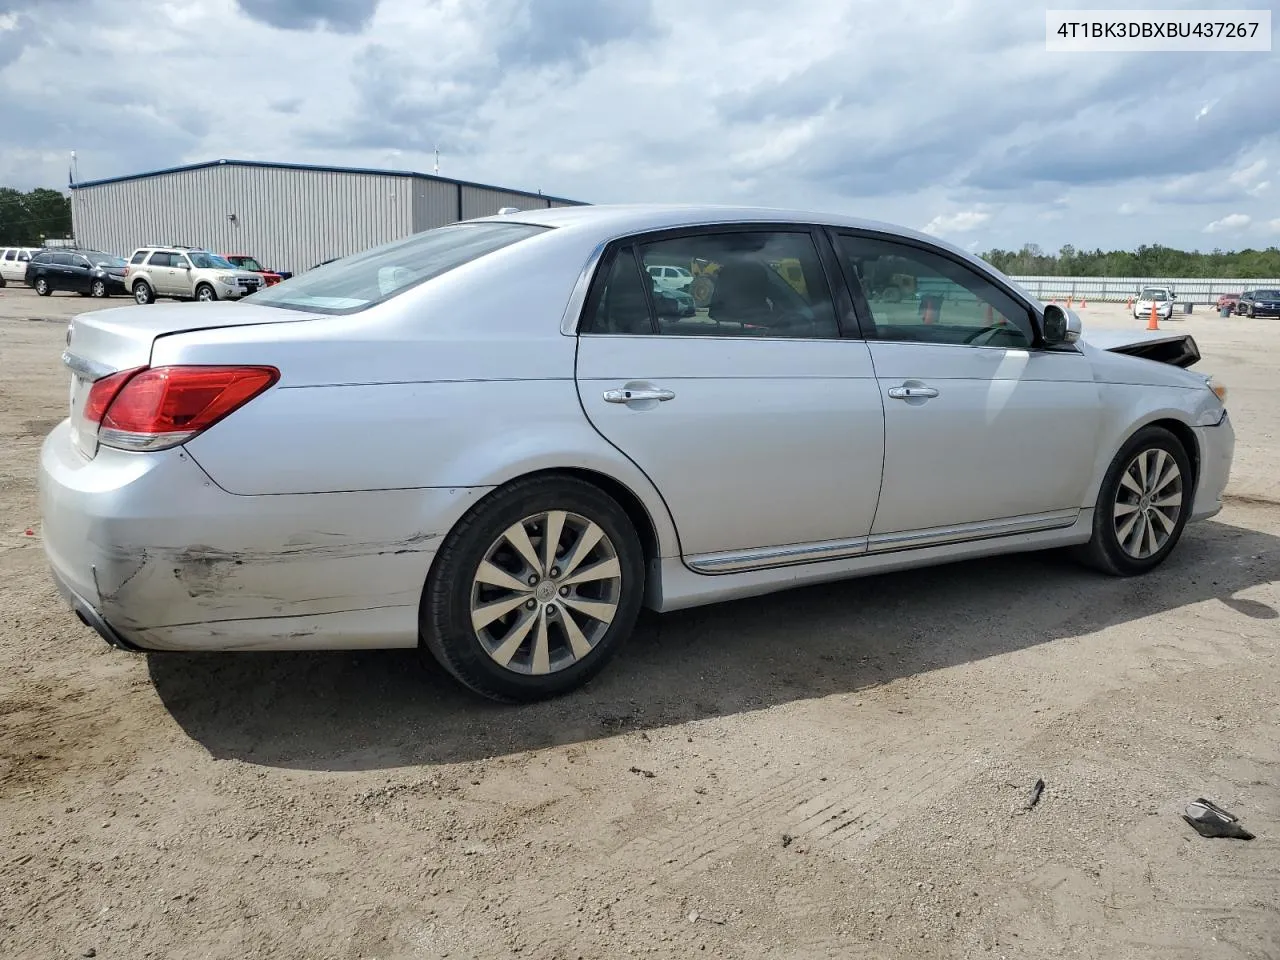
pixel 320 169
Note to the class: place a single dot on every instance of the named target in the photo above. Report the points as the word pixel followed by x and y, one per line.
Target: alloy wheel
pixel 1148 502
pixel 546 592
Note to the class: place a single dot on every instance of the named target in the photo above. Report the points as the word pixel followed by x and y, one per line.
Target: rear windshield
pixel 357 282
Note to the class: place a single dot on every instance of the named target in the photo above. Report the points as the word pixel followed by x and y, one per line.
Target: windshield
pixel 106 259
pixel 1267 295
pixel 207 261
pixel 359 281
pixel 246 263
pixel 1154 295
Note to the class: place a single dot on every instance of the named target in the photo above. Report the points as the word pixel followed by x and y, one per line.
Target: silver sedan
pixel 495 441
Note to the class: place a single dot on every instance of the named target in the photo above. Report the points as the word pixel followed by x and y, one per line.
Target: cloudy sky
pixel 943 114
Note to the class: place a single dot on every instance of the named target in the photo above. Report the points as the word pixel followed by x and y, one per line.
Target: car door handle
pixel 912 393
pixel 638 393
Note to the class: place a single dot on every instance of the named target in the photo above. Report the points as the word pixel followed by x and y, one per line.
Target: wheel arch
pixel 1169 420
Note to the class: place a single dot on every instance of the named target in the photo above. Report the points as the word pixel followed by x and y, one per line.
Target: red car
pixel 1230 301
pixel 245 262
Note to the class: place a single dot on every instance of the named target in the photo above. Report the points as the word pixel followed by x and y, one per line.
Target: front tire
pixel 1143 506
pixel 143 293
pixel 517 621
pixel 205 293
pixel 98 290
pixel 43 288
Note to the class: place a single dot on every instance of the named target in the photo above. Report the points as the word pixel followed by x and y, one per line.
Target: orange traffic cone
pixel 1152 324
pixel 1068 303
pixel 1082 303
pixel 1129 303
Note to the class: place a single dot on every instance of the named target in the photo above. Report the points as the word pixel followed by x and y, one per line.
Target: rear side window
pixel 139 257
pixel 42 258
pixel 64 259
pixel 161 259
pixel 9 255
pixel 358 282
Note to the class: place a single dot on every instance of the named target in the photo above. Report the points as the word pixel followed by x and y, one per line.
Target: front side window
pixel 247 263
pixel 921 296
pixel 24 257
pixel 210 261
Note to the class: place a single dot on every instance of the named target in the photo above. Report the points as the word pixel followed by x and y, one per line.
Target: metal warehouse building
pixel 290 216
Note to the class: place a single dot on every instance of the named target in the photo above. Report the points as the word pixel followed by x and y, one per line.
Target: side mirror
pixel 1061 325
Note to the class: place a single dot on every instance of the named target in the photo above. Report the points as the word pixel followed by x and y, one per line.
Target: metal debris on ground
pixel 1210 820
pixel 1036 791
pixel 643 773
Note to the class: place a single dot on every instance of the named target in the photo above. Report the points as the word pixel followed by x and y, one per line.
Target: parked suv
pixel 13 262
pixel 186 273
pixel 1259 303
pixel 90 273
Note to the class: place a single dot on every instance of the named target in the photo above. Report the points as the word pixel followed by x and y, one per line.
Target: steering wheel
pixel 988 332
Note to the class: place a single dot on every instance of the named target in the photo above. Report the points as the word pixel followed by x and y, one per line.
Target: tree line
pixel 1151 260
pixel 28 218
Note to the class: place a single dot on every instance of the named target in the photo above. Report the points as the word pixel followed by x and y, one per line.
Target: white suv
pixel 670 278
pixel 13 263
pixel 186 273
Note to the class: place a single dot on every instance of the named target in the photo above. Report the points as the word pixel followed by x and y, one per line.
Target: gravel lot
pixel 831 773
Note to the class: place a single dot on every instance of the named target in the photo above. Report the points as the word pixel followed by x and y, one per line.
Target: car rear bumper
pixel 153 555
pixel 1217 449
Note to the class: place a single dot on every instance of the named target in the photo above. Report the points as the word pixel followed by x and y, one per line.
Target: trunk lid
pixel 106 341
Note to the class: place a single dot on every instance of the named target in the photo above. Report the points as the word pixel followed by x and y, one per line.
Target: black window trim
pixel 847 325
pixel 863 309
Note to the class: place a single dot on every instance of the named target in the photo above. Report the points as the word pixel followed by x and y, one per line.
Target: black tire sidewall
pixel 212 295
pixel 1105 539
pixel 148 296
pixel 445 614
pixel 43 289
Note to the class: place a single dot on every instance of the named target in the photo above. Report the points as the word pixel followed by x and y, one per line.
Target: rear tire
pixel 1143 505
pixel 546 643
pixel 143 293
pixel 43 288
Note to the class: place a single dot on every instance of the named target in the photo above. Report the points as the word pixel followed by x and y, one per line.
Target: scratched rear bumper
pixel 171 561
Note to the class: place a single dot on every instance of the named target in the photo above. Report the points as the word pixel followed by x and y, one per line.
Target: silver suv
pixel 186 273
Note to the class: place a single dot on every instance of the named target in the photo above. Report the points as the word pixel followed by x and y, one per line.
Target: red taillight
pixel 103 391
pixel 158 407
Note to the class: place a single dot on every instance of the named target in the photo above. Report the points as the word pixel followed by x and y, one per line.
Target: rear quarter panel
pixel 463 382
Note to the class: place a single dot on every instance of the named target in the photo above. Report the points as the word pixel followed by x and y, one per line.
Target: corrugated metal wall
pixel 1120 289
pixel 288 219
pixel 484 202
pixel 434 204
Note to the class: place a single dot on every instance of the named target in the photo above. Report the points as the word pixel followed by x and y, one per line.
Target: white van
pixel 13 262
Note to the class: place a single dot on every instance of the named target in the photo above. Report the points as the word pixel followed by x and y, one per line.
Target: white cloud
pixel 1231 223
pixel 634 100
pixel 962 221
pixel 1273 226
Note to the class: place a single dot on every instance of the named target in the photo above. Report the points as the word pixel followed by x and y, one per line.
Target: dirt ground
pixel 835 772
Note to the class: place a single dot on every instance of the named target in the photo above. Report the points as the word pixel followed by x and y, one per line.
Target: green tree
pixel 1148 260
pixel 28 218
